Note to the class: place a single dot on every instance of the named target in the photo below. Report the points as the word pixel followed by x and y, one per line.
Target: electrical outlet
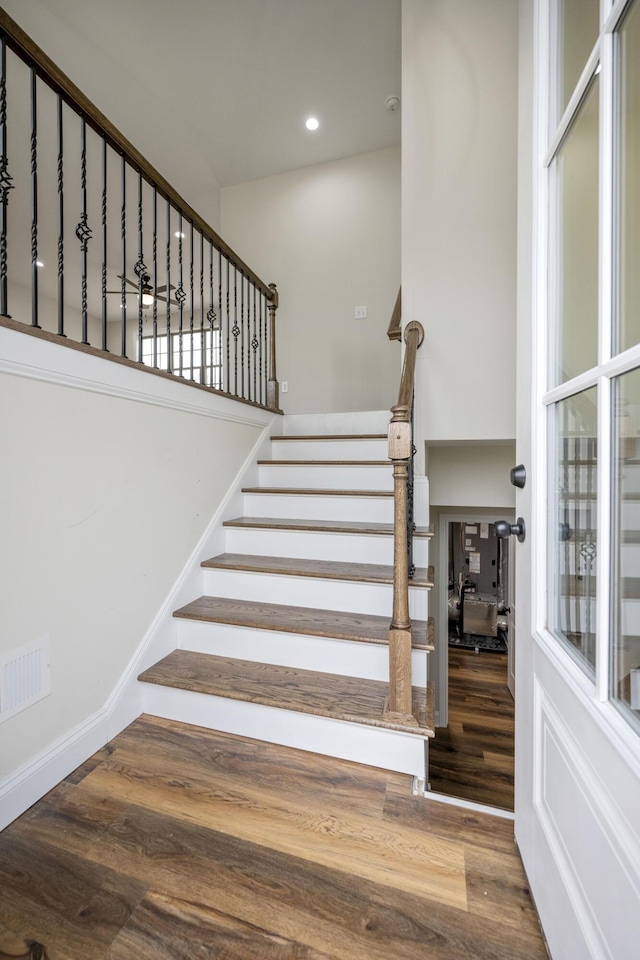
pixel 285 386
pixel 361 313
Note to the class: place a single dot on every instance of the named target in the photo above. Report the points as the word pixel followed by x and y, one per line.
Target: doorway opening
pixel 472 757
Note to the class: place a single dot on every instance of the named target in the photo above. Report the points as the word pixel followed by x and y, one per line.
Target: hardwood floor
pixel 175 842
pixel 472 758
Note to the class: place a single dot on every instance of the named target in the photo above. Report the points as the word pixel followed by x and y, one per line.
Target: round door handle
pixel 504 529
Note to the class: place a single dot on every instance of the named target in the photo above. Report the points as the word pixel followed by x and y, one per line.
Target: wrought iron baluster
pixel 211 316
pixel 169 341
pixel 242 364
pixel 140 269
pixel 6 180
pixel 83 231
pixel 254 346
pixel 262 380
pixel 123 241
pixel 34 201
pixel 235 330
pixel 155 277
pixel 180 294
pixel 410 490
pixel 104 244
pixel 191 298
pixel 60 132
pixel 203 355
pixel 228 371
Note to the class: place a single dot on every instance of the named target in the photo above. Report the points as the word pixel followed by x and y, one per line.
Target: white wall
pixel 459 165
pixel 474 474
pixel 329 236
pixel 104 499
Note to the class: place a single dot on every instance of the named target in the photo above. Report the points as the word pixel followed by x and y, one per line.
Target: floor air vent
pixel 25 677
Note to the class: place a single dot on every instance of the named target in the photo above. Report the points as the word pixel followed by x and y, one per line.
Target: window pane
pixel 625 685
pixel 629 180
pixel 575 263
pixel 573 518
pixel 578 27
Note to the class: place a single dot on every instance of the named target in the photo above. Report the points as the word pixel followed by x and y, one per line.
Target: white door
pixel 578 572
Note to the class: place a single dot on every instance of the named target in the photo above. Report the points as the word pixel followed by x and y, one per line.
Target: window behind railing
pixel 97 247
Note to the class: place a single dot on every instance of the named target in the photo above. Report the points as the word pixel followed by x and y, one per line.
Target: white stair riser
pixel 292 506
pixel 323 424
pixel 629 475
pixel 344 657
pixel 314 545
pixel 329 449
pixel 332 738
pixel 331 477
pixel 631 617
pixel 630 515
pixel 350 596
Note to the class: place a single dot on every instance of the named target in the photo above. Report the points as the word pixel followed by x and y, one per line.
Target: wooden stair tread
pixel 333 436
pixel 307 621
pixel 321 526
pixel 324 463
pixel 321 491
pixel 351 699
pixel 321 569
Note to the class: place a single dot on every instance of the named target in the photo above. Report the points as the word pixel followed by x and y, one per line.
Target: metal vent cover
pixel 25 677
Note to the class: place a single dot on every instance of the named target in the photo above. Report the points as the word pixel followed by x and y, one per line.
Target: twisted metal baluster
pixel 235 330
pixel 155 277
pixel 83 231
pixel 6 180
pixel 169 342
pixel 180 294
pixel 140 269
pixel 60 131
pixel 123 240
pixel 241 334
pixel 228 377
pixel 211 316
pixel 34 202
pixel 191 298
pixel 104 243
pixel 254 346
pixel 203 355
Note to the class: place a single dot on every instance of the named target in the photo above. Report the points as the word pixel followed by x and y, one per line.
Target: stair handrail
pixel 394 330
pixel 400 450
pixel 14 38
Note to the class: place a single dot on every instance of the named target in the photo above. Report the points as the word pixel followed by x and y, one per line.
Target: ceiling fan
pixel 147 290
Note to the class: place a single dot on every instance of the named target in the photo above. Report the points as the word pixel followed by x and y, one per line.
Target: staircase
pixel 289 642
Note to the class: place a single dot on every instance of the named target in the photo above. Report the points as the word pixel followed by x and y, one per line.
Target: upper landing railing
pixel 98 248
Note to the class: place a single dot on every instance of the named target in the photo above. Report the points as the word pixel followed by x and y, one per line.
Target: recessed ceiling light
pixel 312 123
pixel 39 263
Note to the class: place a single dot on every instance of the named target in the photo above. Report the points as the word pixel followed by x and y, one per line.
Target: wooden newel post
pixel 273 388
pixel 399 705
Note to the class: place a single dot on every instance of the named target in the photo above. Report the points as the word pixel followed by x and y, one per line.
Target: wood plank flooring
pixel 175 842
pixel 472 758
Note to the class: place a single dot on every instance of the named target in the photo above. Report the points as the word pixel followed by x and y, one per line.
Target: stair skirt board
pixel 306 506
pixel 373 746
pixel 346 595
pixel 345 657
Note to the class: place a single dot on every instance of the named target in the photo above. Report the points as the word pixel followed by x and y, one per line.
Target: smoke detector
pixel 392 104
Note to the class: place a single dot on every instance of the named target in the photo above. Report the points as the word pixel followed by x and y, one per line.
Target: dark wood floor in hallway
pixel 472 758
pixel 175 842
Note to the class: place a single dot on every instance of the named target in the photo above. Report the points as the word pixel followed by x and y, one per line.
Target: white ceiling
pixel 231 81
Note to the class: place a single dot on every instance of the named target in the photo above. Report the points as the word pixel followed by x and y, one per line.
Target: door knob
pixel 518 476
pixel 504 529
